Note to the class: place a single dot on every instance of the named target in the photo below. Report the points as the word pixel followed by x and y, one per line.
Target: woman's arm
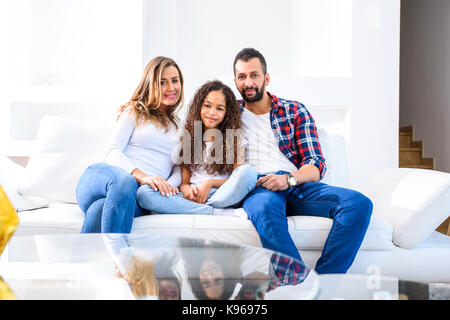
pixel 117 142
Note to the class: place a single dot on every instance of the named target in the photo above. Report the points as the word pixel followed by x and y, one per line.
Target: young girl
pixel 220 180
pixel 139 152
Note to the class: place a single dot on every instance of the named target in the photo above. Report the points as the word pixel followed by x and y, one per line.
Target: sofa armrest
pixel 414 201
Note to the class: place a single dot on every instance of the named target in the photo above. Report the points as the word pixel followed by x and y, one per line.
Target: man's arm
pixel 312 166
pixel 307 173
pixel 307 141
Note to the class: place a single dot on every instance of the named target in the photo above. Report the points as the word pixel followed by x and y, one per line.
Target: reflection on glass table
pixel 116 266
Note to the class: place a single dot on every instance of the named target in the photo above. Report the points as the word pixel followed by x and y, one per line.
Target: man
pixel 290 164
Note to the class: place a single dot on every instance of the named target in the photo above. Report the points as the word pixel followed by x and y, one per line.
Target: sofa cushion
pixel 414 201
pixel 10 175
pixel 308 233
pixel 217 228
pixel 334 151
pixel 56 219
pixel 64 149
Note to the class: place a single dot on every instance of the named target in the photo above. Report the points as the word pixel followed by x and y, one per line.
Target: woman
pixel 138 153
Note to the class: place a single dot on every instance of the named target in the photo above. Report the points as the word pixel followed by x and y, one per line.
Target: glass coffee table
pixel 116 267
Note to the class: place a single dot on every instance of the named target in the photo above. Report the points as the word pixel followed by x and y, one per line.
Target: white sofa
pixel 409 204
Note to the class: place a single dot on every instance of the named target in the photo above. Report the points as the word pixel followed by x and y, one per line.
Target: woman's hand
pixel 203 191
pixel 156 183
pixel 189 192
pixel 161 185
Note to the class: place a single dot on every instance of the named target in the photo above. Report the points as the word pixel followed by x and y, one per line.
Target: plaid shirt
pixel 296 133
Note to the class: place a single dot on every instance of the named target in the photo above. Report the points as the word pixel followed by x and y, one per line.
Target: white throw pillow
pixel 414 201
pixel 65 148
pixel 10 175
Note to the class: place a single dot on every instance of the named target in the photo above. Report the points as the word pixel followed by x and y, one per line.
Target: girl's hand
pixel 161 185
pixel 189 192
pixel 203 191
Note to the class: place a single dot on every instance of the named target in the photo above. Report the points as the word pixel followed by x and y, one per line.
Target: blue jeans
pixel 241 182
pixel 107 196
pixel 349 209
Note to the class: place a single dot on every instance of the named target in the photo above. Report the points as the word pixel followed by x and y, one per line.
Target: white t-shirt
pixel 198 176
pixel 262 151
pixel 145 147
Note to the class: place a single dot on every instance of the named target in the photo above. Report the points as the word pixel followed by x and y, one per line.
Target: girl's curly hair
pixel 232 120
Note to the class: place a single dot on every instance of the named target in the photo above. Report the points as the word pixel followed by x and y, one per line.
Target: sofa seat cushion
pixel 308 233
pixel 216 228
pixel 56 219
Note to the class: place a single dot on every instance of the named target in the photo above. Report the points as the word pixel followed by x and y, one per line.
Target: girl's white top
pixel 200 175
pixel 146 147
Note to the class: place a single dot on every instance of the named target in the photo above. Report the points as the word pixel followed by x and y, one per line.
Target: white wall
pixel 425 76
pixel 338 57
pixel 72 58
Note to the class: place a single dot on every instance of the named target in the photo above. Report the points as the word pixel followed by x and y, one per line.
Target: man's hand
pixel 273 182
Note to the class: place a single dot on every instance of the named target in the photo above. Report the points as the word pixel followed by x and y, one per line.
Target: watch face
pixel 292 181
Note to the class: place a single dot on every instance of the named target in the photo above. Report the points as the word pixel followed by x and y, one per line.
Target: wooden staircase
pixel 411 151
pixel 411 156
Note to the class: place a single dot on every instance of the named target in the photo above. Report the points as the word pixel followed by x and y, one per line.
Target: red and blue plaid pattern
pixel 296 133
pixel 287 271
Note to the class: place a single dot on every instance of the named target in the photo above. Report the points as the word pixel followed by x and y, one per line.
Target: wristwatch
pixel 292 182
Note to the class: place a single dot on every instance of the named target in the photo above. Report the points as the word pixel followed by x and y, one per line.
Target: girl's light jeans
pixel 231 193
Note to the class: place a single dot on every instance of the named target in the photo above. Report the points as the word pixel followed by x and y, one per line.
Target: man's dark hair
pixel 247 54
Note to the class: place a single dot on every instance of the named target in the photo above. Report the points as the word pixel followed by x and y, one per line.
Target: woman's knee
pixel 126 180
pixel 90 188
pixel 126 184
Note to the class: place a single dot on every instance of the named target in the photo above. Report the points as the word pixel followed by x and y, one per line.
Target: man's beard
pixel 259 94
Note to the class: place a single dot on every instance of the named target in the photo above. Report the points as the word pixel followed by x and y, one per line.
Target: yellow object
pixel 5 292
pixel 8 224
pixel 8 220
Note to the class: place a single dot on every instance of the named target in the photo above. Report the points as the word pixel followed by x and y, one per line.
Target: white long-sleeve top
pixel 146 147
